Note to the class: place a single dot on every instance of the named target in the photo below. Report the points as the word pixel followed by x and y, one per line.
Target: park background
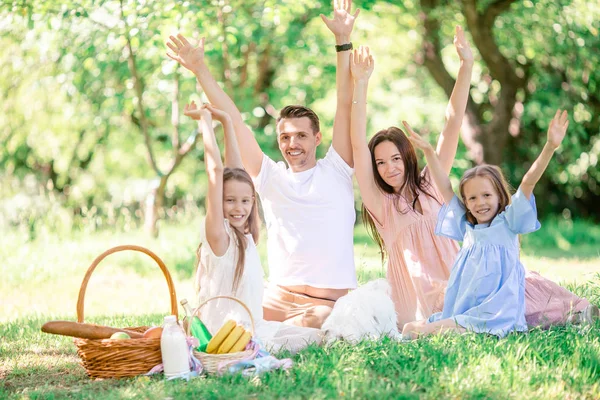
pixel 95 152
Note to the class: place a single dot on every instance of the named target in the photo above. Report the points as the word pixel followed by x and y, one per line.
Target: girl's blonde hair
pixel 495 176
pixel 252 227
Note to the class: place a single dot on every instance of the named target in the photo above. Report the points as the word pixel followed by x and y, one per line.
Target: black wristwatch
pixel 343 47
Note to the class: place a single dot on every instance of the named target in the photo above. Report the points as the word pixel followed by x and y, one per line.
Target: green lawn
pixel 41 280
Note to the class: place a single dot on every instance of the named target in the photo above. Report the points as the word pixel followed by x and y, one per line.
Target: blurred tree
pixel 87 93
pixel 535 57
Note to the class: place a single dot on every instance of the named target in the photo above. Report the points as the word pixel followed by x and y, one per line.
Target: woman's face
pixel 390 165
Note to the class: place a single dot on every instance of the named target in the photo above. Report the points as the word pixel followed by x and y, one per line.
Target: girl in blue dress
pixel 486 290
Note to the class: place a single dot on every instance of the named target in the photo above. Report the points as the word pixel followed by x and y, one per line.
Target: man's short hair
pixel 295 111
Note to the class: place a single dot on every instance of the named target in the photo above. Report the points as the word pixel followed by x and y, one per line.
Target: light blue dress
pixel 486 289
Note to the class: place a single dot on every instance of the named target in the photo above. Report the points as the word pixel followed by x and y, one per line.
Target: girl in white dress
pixel 228 262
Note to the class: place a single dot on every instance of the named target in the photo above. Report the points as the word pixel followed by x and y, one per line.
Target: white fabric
pixel 215 278
pixel 310 221
pixel 365 313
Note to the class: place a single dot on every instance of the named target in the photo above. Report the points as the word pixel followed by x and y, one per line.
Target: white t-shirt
pixel 310 220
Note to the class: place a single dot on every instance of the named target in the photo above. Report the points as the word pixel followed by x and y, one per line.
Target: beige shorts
pixel 293 308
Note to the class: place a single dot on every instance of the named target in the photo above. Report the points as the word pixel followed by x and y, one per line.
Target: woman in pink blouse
pixel 400 206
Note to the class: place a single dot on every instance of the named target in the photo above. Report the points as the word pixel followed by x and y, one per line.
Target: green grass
pixel 41 280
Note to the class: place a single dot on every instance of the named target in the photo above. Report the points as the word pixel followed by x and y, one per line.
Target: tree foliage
pixel 91 105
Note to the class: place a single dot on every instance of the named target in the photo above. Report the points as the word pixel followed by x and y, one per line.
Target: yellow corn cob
pixel 233 337
pixel 221 335
pixel 242 342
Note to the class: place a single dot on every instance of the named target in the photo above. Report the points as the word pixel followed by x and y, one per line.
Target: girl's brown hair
pixel 495 176
pixel 414 181
pixel 252 227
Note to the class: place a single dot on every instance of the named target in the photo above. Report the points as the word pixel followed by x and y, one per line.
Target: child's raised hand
pixel 462 45
pixel 558 128
pixel 416 139
pixel 217 113
pixel 361 63
pixel 192 111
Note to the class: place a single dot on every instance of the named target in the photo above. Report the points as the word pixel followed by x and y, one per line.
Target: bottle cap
pixel 170 318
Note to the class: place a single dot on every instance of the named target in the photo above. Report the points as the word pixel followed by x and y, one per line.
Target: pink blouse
pixel 419 262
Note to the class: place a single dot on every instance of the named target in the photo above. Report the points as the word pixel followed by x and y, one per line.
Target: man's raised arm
pixel 192 58
pixel 341 26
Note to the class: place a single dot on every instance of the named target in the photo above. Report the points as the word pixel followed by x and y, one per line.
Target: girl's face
pixel 481 199
pixel 238 199
pixel 389 164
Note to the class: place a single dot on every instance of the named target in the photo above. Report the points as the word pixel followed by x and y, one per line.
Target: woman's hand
pixel 361 64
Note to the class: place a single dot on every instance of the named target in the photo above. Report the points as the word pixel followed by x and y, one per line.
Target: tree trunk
pixel 151 208
pixel 154 204
pixel 485 141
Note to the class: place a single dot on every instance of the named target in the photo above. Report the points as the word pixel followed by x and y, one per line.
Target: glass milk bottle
pixel 173 348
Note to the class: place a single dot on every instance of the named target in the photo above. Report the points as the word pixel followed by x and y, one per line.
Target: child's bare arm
pixel 455 112
pixel 233 158
pixel 556 133
pixel 217 237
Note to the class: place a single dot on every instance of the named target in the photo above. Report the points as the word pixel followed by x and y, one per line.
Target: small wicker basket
pixel 110 358
pixel 211 362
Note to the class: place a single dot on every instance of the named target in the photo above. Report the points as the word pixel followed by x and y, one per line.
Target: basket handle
pixel 197 310
pixel 117 249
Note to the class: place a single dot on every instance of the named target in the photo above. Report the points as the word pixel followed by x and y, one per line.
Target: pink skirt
pixel 547 303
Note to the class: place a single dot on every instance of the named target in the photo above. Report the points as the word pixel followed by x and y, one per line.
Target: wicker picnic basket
pixel 111 358
pixel 211 362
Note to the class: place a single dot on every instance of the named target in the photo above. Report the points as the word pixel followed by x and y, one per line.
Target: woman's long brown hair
pixel 252 227
pixel 414 180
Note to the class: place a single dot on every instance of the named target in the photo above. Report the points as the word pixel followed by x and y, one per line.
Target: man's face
pixel 298 143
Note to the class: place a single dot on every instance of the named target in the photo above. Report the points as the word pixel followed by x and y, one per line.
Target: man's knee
pixel 271 314
pixel 315 316
pixel 278 304
pixel 312 317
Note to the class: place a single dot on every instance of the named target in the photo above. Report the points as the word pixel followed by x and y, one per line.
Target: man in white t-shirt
pixel 309 206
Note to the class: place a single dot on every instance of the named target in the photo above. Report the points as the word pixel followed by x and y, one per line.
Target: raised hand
pixel 462 45
pixel 558 128
pixel 556 134
pixel 342 22
pixel 185 54
pixel 439 175
pixel 417 140
pixel 192 111
pixel 361 63
pixel 217 113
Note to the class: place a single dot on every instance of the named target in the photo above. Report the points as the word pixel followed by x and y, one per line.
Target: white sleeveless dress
pixel 214 277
